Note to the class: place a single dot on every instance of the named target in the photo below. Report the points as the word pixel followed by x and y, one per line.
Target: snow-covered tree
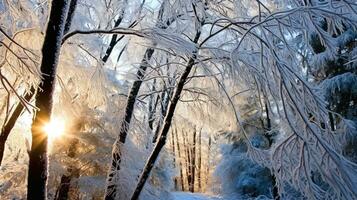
pixel 272 82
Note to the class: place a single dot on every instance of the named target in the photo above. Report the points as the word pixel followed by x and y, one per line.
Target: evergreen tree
pixel 335 71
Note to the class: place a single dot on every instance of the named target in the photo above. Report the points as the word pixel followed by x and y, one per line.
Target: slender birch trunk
pixel 199 164
pixel 188 161
pixel 208 160
pixel 180 160
pixel 174 156
pixel 193 161
pixel 152 106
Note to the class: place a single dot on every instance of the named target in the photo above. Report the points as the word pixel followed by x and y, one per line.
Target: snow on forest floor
pixel 193 196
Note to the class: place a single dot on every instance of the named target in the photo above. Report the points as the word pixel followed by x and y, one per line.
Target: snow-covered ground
pixel 193 196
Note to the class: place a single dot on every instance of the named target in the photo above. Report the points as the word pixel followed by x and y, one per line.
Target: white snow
pixel 193 196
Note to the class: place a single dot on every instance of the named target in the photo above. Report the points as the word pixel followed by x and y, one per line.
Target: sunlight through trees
pixel 162 99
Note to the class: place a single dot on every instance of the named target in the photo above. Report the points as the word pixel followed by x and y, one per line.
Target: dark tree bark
pixel 152 120
pixel 120 54
pixel 129 110
pixel 114 40
pixel 166 125
pixel 275 191
pixel 65 183
pixel 72 172
pixel 165 98
pixel 62 192
pixel 37 174
pixel 70 15
pixel 268 116
pixel 152 106
pixel 331 119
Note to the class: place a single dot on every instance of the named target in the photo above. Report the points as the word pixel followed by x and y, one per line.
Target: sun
pixel 55 128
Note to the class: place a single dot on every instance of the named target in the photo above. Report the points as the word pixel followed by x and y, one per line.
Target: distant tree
pixel 193 161
pixel 179 159
pixel 167 122
pixel 199 161
pixel 129 111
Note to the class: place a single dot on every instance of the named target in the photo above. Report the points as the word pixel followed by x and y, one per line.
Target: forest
pixel 178 99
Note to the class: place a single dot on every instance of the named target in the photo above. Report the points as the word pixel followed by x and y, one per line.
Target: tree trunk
pixel 188 161
pixel 114 40
pixel 111 189
pixel 72 172
pixel 129 110
pixel 165 98
pixel 10 123
pixel 187 157
pixel 28 96
pixel 119 56
pixel 275 191
pixel 37 173
pixel 166 125
pixel 152 106
pixel 65 183
pixel 166 95
pixel 62 193
pixel 199 164
pixel 193 162
pixel 174 157
pixel 180 161
pixel 70 15
pixel 208 160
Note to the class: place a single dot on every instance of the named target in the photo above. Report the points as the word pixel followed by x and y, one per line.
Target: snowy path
pixel 193 196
